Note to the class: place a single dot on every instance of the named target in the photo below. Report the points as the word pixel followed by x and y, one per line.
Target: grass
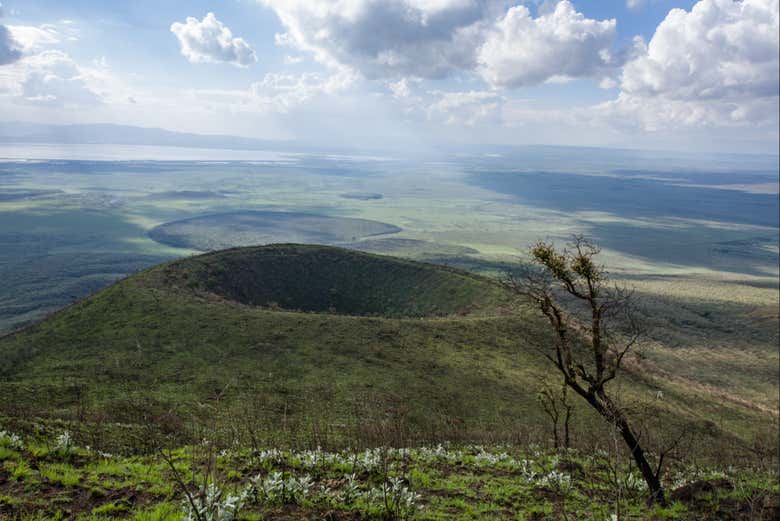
pixel 172 343
pixel 60 473
pixel 436 483
pixel 148 339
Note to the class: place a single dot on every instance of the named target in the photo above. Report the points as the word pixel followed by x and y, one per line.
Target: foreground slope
pixel 42 479
pixel 302 343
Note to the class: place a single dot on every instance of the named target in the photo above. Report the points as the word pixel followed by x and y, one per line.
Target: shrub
pixel 212 504
pixel 275 489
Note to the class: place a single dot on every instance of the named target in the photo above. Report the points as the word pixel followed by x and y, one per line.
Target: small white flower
pixel 64 442
pixel 9 439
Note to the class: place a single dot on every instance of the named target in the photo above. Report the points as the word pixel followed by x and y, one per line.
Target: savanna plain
pixel 300 336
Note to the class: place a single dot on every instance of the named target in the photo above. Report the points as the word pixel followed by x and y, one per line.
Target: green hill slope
pixel 390 350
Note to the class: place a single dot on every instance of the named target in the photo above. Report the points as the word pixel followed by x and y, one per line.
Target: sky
pixel 648 74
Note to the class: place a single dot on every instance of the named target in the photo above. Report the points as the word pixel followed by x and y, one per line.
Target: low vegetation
pixel 44 478
pixel 301 382
pixel 176 338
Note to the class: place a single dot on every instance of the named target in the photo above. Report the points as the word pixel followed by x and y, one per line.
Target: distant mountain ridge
pixel 114 134
pixel 107 133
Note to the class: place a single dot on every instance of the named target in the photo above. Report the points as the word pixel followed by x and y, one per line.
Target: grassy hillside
pixel 221 336
pixel 242 361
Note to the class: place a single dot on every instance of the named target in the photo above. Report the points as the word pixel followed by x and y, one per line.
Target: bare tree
pixel 554 399
pixel 590 339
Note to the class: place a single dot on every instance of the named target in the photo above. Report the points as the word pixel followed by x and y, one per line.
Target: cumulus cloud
pixel 720 48
pixel 522 50
pixel 210 41
pixel 388 39
pixel 431 39
pixel 717 63
pixel 10 49
pixel 659 113
pixel 42 76
pixel 53 79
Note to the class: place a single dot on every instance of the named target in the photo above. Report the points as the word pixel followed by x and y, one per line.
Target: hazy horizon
pixel 114 142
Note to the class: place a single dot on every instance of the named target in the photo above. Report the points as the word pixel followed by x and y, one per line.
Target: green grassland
pixel 293 347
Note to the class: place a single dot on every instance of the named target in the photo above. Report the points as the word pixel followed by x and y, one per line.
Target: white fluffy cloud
pixel 387 39
pixel 660 113
pixel 434 38
pixel 210 41
pixel 53 79
pixel 522 50
pixel 721 48
pixel 717 64
pixel 44 79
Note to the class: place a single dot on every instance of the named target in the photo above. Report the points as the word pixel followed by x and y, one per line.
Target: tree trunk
pixel 615 416
pixel 653 483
